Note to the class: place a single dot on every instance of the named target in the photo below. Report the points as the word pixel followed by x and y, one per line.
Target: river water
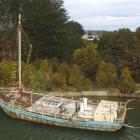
pixel 11 129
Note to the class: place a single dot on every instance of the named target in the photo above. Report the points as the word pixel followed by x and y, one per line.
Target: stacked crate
pixel 106 111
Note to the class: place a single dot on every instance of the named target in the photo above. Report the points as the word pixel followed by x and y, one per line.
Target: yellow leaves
pixel 127 84
pixel 7 69
pixel 59 81
pixel 27 75
pixel 126 74
pixel 78 80
pixel 64 69
pixel 40 76
pixel 106 75
pixel 87 58
pixel 46 67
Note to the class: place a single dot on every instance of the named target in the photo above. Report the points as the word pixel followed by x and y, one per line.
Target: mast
pixel 19 53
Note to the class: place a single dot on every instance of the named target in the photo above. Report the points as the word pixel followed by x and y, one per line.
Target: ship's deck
pixel 61 107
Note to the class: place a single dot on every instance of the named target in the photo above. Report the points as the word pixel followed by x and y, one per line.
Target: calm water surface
pixel 11 129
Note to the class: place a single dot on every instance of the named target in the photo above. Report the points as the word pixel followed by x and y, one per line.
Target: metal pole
pixel 31 98
pixel 19 52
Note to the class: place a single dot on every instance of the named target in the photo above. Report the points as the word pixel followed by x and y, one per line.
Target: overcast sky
pixel 105 14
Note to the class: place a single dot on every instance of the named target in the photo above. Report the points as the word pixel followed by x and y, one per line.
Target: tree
pixel 127 84
pixel 138 33
pixel 46 25
pixel 106 75
pixel 75 79
pixel 78 80
pixel 75 28
pixel 121 48
pixel 59 82
pixel 7 45
pixel 38 81
pixel 7 71
pixel 27 76
pixel 43 20
pixel 73 39
pixel 136 70
pixel 47 71
pixel 64 69
pixel 87 58
pixel 112 76
pixel 101 77
pixel 55 63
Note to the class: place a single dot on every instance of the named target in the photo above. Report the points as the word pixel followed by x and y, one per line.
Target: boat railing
pixel 10 105
pixel 126 109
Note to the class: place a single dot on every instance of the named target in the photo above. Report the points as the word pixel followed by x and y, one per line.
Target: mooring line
pixel 130 126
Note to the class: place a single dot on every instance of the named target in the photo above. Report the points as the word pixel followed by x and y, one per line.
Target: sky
pixel 105 14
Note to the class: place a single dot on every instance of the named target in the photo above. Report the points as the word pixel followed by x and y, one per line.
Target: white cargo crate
pixel 106 111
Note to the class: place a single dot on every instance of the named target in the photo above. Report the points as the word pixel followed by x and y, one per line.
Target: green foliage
pixel 28 75
pixel 106 75
pixel 38 81
pixel 101 77
pixel 138 33
pixel 45 21
pixel 75 28
pixel 41 76
pixel 46 24
pixel 78 80
pixel 122 48
pixel 75 78
pixel 59 82
pixel 64 69
pixel 7 45
pixel 7 70
pixel 73 39
pixel 47 72
pixel 46 68
pixel 61 60
pixel 87 58
pixel 55 63
pixel 111 73
pixel 127 84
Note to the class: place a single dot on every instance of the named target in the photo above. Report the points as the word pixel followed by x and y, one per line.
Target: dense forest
pixel 61 60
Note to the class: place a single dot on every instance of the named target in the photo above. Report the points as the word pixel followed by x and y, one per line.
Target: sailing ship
pixel 58 111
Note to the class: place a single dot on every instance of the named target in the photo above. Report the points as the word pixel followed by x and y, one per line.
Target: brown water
pixel 11 129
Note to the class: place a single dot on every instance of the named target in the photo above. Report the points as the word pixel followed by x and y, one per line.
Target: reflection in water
pixel 11 129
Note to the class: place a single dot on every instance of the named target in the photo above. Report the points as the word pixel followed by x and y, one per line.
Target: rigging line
pixel 26 37
pixel 30 49
pixel 29 55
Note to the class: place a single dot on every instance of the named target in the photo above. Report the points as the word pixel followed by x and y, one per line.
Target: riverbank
pixel 94 93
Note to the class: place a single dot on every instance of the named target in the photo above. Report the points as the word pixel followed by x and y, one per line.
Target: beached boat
pixel 58 111
pixel 47 109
